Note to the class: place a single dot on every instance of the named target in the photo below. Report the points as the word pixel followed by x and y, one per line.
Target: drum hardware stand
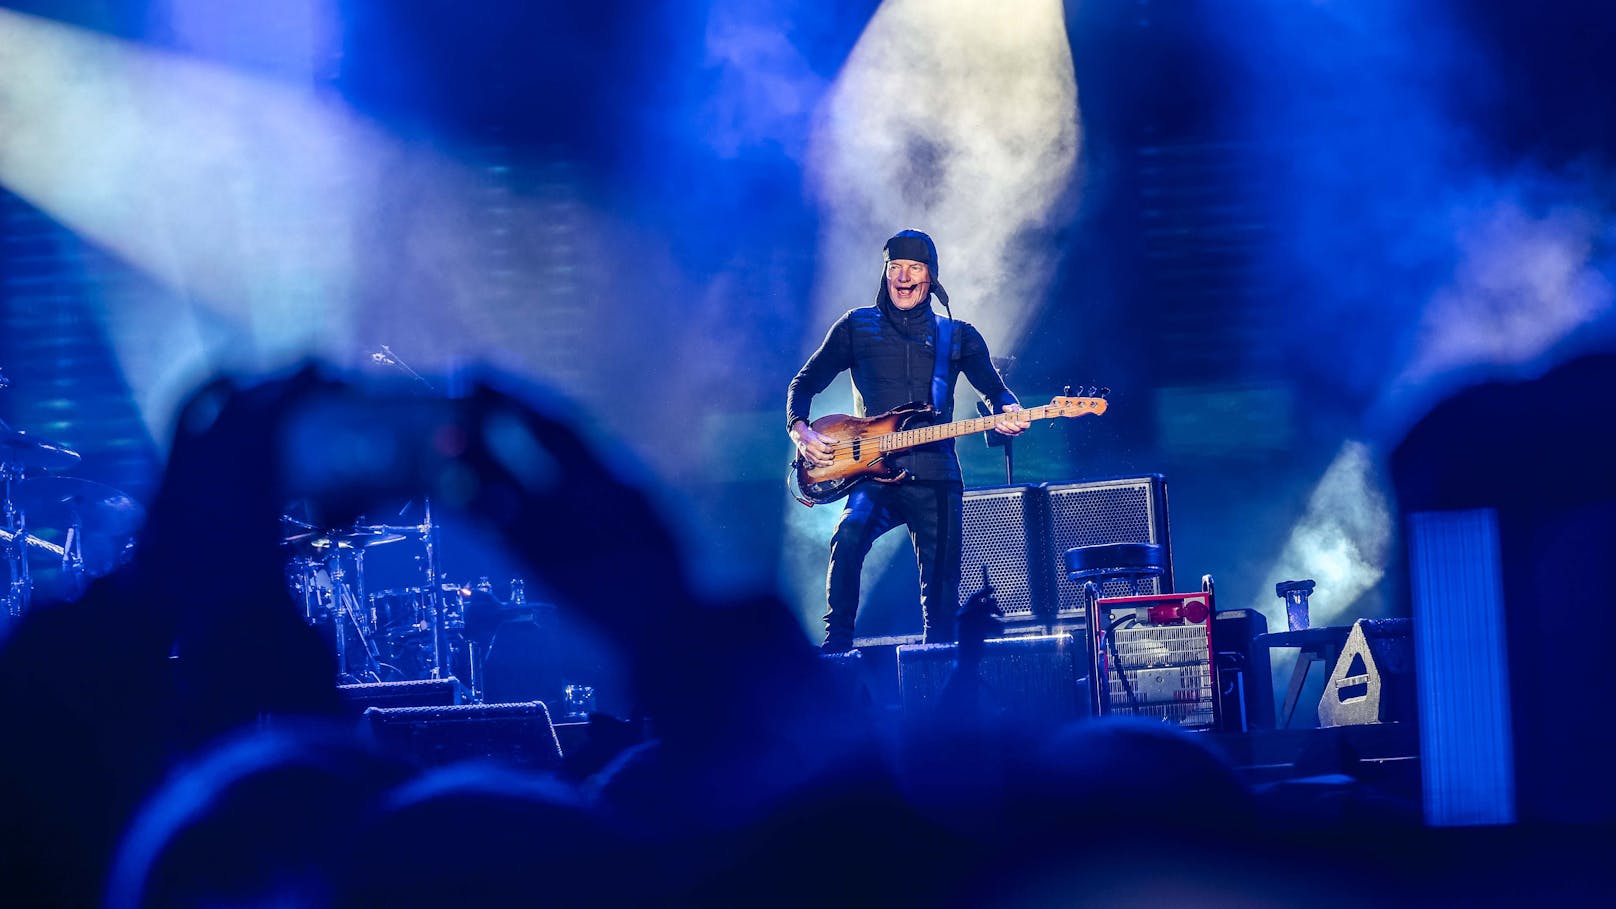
pixel 435 607
pixel 335 609
pixel 476 653
pixel 356 609
pixel 437 612
pixel 17 542
pixel 338 603
pixel 18 453
pixel 73 561
pixel 474 665
pixel 346 612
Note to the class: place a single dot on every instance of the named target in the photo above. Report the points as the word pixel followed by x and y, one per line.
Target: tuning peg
pixel 1104 391
pixel 1067 393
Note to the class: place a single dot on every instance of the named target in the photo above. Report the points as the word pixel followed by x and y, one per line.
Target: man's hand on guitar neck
pixel 812 447
pixel 1009 424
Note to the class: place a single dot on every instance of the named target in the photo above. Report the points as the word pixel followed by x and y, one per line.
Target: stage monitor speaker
pixel 415 693
pixel 519 733
pixel 1003 532
pixel 1030 681
pixel 849 679
pixel 1132 510
pixel 1373 679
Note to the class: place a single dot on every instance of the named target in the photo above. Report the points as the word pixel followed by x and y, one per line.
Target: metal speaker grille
pixel 519 733
pixel 1170 668
pixel 1112 511
pixel 999 534
pixel 1032 679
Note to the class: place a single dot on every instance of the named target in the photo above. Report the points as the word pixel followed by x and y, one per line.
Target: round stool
pixel 1091 567
pixel 1130 563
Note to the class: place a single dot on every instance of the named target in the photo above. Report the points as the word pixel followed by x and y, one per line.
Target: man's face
pixel 908 283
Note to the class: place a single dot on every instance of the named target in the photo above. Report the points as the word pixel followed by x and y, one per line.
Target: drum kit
pixel 435 630
pixel 80 527
pixel 59 532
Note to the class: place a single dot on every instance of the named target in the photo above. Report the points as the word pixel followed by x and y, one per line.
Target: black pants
pixel 933 512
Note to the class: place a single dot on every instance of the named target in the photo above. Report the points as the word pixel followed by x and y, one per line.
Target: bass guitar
pixel 861 444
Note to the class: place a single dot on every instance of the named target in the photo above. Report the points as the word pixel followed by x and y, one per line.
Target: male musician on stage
pixel 890 349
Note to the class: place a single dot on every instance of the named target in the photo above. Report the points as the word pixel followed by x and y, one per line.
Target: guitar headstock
pixel 1069 405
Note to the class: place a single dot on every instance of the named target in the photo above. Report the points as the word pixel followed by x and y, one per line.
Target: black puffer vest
pixel 894 355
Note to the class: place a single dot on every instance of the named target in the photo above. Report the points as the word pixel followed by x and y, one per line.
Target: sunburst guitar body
pixel 860 445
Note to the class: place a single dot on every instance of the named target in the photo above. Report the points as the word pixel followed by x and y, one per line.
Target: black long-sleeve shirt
pixel 891 355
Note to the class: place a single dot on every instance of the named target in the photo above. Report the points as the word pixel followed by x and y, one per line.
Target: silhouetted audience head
pixel 479 834
pixel 1132 773
pixel 267 818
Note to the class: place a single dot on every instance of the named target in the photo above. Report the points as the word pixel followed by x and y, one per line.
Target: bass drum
pixel 404 617
pixel 401 611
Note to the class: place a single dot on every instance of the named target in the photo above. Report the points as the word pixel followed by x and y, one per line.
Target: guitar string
pixel 1036 413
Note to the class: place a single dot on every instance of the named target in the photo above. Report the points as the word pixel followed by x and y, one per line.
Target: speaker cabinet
pixel 1004 534
pixel 416 693
pixel 1031 681
pixel 1130 510
pixel 1373 679
pixel 1020 533
pixel 519 733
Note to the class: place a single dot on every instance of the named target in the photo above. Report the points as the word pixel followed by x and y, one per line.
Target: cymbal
pixel 401 528
pixel 308 538
pixel 20 449
pixel 364 537
pixel 353 538
pixel 60 502
pixel 300 531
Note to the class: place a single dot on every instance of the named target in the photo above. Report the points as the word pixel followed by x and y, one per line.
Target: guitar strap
pixel 945 352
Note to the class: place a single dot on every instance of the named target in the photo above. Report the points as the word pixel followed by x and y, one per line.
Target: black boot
pixel 836 644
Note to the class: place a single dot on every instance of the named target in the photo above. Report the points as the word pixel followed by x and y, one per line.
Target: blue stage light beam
pixel 228 189
pixel 1435 261
pixel 237 193
pixel 961 119
pixel 1343 540
pixel 279 222
pixel 1530 288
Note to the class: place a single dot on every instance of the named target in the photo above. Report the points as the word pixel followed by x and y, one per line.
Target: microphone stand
pixel 437 609
pixel 994 439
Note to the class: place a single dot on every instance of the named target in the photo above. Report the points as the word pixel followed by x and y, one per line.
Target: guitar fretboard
pixel 909 438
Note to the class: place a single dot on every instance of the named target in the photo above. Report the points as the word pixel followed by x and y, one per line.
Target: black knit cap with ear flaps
pixel 917 246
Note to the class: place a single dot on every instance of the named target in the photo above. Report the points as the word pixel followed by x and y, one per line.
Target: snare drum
pixel 401 611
